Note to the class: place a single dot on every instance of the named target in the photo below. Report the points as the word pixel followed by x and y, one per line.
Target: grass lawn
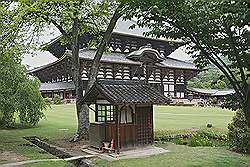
pixel 60 123
pixel 184 156
pixel 179 118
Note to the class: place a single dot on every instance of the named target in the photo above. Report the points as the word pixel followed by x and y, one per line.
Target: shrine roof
pixel 125 92
pixel 57 86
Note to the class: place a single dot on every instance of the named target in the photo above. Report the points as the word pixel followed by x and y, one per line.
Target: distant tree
pixel 19 95
pixel 217 32
pixel 210 79
pixel 73 18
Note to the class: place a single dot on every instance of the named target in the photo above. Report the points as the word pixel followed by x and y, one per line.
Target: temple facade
pixel 131 57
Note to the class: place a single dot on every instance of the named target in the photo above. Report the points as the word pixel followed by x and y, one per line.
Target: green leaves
pixel 216 31
pixel 210 79
pixel 19 94
pixel 91 15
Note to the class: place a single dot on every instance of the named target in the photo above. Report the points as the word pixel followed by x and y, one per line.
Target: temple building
pixel 209 96
pixel 131 57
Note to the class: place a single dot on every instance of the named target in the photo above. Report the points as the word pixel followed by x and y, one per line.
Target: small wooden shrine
pixel 123 113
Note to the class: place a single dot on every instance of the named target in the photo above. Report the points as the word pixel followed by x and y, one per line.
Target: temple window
pixel 105 113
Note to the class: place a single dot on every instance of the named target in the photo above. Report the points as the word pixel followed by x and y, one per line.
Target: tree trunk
pixel 106 37
pixel 81 110
pixel 248 105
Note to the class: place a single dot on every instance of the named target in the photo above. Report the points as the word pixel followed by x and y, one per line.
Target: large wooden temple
pixel 131 57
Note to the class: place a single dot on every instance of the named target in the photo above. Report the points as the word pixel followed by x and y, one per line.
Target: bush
pixel 57 99
pixel 20 98
pixel 199 140
pixel 204 138
pixel 47 101
pixel 239 133
pixel 29 102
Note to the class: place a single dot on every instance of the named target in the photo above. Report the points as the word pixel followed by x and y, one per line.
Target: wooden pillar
pixel 135 127
pixel 175 78
pixel 118 130
pixel 64 94
pixel 152 121
pixel 52 95
pixel 185 85
pixel 147 73
pixel 162 85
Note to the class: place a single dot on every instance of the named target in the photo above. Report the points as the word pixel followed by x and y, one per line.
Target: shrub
pixel 57 99
pixel 20 98
pixel 204 138
pixel 239 133
pixel 29 103
pixel 199 140
pixel 47 101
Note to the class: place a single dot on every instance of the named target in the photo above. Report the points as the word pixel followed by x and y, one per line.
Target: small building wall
pixel 137 133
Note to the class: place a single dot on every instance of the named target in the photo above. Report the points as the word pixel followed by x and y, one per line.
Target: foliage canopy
pixel 19 93
pixel 216 31
pixel 210 79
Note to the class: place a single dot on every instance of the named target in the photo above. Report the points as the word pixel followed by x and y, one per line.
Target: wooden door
pixel 144 123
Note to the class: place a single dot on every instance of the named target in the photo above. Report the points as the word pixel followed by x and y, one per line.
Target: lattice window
pixel 105 113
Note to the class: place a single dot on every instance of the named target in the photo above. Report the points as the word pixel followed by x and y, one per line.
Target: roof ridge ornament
pixel 147 55
pixel 146 46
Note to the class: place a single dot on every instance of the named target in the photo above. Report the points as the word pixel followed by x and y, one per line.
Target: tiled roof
pixel 224 92
pixel 125 92
pixel 87 54
pixel 122 58
pixel 213 92
pixel 57 86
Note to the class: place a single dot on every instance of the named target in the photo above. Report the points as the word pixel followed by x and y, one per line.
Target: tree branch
pixel 235 81
pixel 240 66
pixel 59 27
pixel 96 62
pixel 211 59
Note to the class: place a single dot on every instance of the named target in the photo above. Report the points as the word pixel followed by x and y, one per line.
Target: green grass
pixel 184 156
pixel 179 118
pixel 60 123
pixel 47 164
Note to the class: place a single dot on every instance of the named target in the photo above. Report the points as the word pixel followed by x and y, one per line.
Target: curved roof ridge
pixel 49 64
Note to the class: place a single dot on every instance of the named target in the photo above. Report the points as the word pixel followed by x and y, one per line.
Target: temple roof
pixel 122 39
pixel 213 92
pixel 63 67
pixel 224 92
pixel 86 54
pixel 119 58
pixel 125 92
pixel 109 57
pixel 57 86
